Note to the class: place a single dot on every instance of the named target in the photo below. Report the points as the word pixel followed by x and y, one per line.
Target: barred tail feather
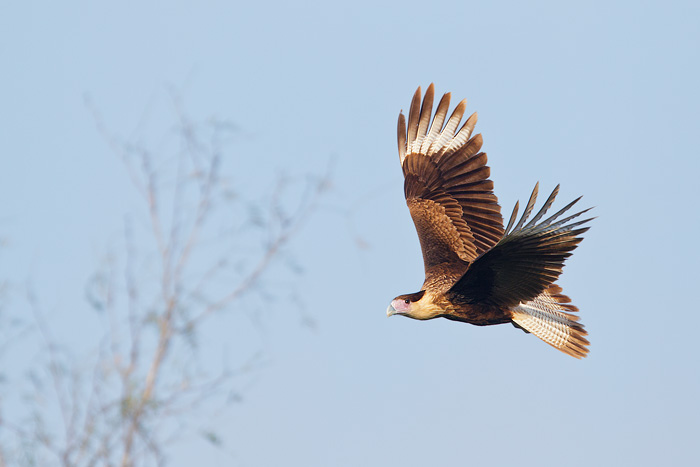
pixel 549 317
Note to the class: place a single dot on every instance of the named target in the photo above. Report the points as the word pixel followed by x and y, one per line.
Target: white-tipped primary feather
pixel 463 134
pixel 449 131
pixel 421 119
pixel 413 118
pixel 401 130
pixel 425 111
pixel 436 127
pixel 431 138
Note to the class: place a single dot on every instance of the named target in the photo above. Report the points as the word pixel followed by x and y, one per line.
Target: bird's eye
pixel 407 301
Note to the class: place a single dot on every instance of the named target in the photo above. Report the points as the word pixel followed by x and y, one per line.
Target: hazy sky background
pixel 601 97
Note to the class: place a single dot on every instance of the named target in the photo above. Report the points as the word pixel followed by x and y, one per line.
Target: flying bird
pixel 476 271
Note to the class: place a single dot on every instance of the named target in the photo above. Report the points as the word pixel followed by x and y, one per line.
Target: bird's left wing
pixel 527 260
pixel 447 184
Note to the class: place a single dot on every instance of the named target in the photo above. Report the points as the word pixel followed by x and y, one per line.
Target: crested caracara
pixel 475 270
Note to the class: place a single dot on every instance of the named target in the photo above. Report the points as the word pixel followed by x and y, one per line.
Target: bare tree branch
pixel 118 406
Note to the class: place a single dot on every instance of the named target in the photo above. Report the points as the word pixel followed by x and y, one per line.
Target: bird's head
pixel 415 305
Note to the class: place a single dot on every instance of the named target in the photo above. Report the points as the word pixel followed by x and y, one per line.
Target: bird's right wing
pixel 526 260
pixel 447 184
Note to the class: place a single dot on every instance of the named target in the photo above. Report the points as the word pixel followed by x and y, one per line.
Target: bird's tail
pixel 549 317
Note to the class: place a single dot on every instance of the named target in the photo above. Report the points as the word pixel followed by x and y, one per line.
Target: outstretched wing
pixel 447 189
pixel 526 261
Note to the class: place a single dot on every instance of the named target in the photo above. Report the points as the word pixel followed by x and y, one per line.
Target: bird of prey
pixel 476 271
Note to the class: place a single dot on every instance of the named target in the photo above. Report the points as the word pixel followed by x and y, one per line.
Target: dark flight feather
pixel 525 262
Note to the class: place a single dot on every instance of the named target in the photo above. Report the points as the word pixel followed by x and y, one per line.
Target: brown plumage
pixel 475 270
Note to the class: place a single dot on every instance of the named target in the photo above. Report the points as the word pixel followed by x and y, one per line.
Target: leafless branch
pixel 155 298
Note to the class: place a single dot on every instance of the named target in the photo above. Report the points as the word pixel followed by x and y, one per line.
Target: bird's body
pixel 475 270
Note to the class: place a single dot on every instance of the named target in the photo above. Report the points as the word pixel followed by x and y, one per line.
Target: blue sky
pixel 598 96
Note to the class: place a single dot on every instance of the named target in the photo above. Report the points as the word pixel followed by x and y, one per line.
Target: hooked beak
pixel 390 311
